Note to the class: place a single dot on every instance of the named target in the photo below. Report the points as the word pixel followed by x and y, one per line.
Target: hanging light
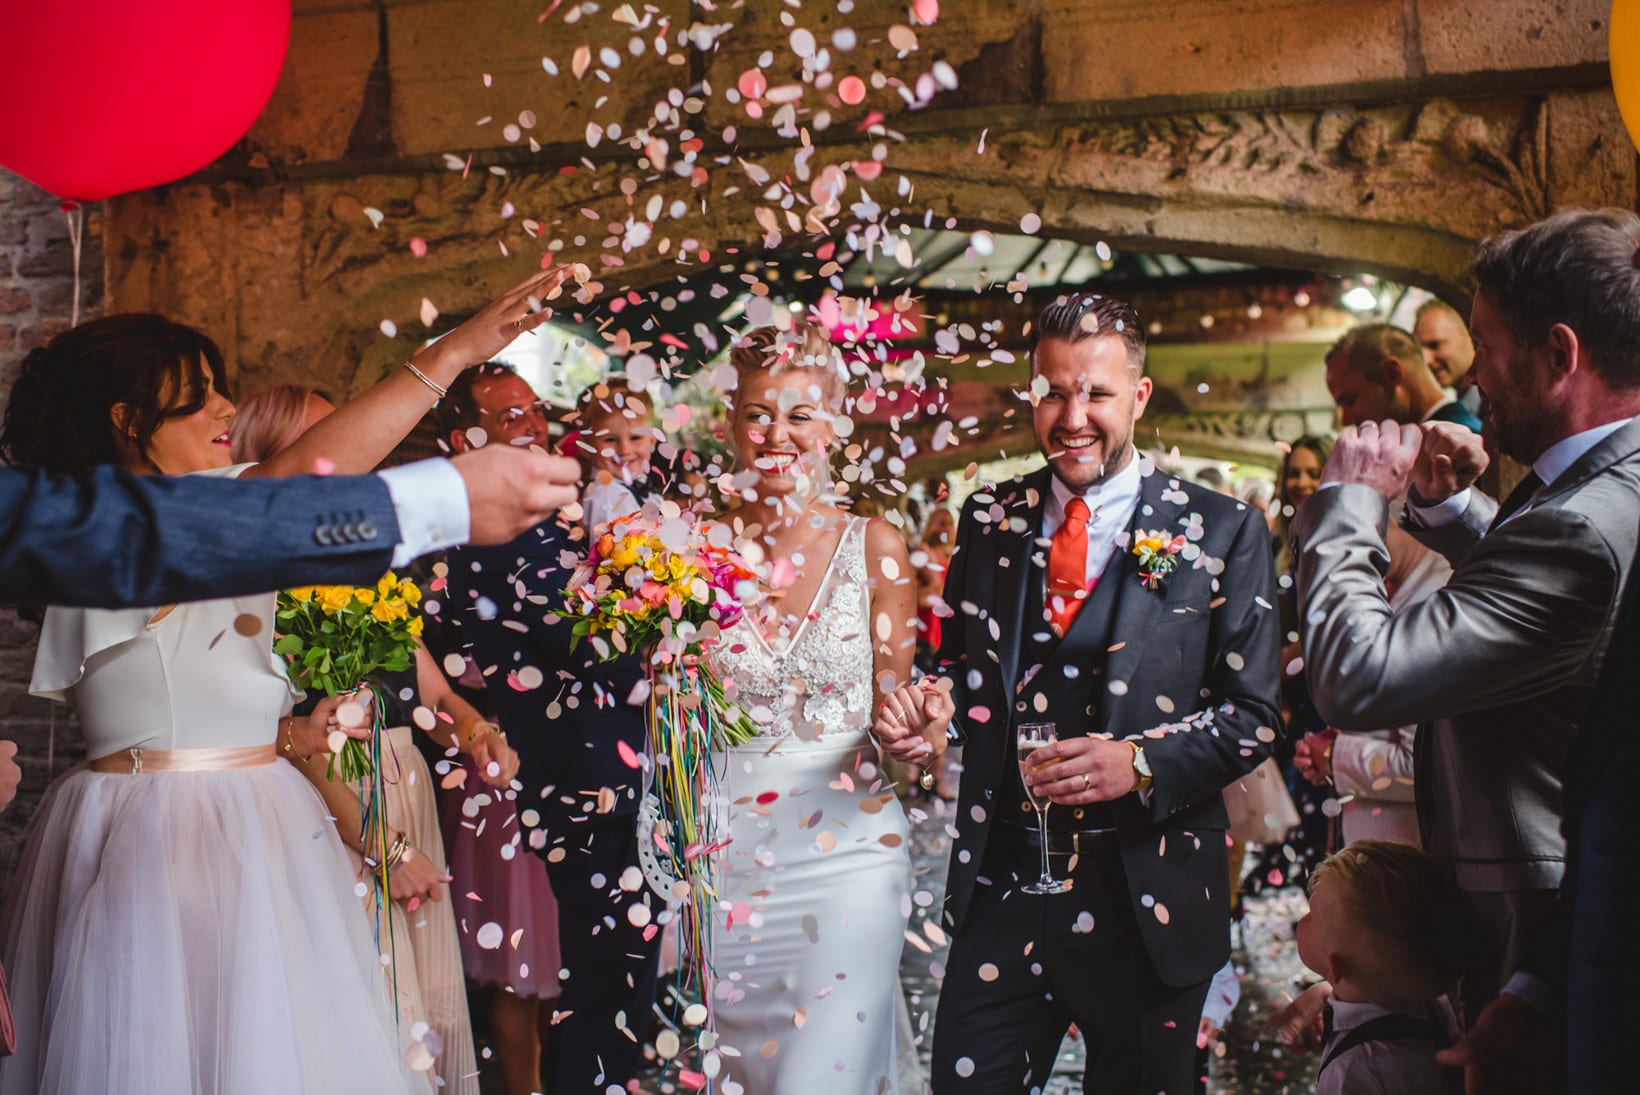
pixel 1360 299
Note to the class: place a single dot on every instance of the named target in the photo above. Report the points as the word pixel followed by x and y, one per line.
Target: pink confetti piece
pixel 418 247
pixel 323 466
pixel 852 90
pixel 628 755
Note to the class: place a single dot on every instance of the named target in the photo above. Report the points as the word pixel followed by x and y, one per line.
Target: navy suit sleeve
pixel 111 539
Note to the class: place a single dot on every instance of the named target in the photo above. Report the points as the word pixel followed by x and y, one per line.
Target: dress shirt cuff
pixel 430 500
pixel 1441 513
pixel 1537 992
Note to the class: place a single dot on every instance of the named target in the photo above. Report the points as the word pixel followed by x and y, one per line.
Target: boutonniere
pixel 1158 556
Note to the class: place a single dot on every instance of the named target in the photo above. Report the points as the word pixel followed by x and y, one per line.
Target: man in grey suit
pixel 1498 667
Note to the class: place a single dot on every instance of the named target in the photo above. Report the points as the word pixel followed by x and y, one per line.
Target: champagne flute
pixel 1031 737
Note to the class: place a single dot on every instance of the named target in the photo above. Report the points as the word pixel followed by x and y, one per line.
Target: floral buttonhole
pixel 1158 556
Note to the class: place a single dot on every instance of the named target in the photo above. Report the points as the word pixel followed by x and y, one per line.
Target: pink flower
pixel 653 594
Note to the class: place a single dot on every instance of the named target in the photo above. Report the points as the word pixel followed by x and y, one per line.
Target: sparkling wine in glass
pixel 1031 737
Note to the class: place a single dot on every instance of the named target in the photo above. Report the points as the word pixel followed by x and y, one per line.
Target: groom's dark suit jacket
pixel 1199 643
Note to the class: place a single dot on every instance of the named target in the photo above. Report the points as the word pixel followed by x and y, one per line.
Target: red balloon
pixel 106 96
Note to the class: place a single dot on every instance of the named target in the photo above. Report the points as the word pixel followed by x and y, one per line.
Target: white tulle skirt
pixel 194 933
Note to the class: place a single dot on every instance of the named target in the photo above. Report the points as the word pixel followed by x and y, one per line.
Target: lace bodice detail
pixel 821 682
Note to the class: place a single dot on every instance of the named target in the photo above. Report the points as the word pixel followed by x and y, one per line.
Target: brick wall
pixel 36 295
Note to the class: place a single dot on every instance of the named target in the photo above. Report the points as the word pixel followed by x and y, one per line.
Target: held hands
pixel 912 722
pixel 1078 771
pixel 511 490
pixel 1451 459
pixel 1312 756
pixel 1377 455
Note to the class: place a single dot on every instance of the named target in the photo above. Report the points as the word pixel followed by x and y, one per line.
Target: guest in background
pixel 427 974
pixel 1377 371
pixel 1260 494
pixel 1296 483
pixel 615 439
pixel 579 800
pixel 1379 930
pixel 1372 770
pixel 271 421
pixel 1444 338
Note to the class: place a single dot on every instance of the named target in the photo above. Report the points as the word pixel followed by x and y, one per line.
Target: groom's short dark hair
pixel 1076 317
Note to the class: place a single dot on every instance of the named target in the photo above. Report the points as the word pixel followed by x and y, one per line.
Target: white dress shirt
pixel 1448 397
pixel 1554 463
pixel 1111 505
pixel 1382 1068
pixel 430 500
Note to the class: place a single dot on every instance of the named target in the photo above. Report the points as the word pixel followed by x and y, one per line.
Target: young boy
pixel 1377 931
pixel 615 439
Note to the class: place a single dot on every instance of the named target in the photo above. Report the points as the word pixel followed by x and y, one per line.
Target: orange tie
pixel 1068 567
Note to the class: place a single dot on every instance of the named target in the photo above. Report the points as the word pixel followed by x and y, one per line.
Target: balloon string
pixel 75 212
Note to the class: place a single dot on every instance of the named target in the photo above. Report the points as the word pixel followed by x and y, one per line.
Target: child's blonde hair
pixel 1400 904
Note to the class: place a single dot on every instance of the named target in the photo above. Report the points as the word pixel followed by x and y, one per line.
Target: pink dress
pixel 505 913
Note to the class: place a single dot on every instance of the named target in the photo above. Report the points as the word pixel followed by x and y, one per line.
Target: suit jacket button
pixel 1020 706
pixel 322 535
pixel 367 530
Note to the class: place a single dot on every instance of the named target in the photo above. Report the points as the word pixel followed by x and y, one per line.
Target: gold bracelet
pixel 425 379
pixel 396 854
pixel 290 744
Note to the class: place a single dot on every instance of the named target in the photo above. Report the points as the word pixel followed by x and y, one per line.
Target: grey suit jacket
pixel 1497 668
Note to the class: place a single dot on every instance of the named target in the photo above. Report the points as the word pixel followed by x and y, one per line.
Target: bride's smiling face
pixel 778 419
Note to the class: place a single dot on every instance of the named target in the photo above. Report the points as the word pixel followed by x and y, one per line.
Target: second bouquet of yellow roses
pixel 334 637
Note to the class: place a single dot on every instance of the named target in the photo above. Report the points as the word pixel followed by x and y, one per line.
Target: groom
pixel 1160 676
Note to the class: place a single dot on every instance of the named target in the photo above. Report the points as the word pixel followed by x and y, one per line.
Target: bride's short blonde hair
pixel 804 348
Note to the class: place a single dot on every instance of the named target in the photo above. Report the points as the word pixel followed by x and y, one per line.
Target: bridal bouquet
pixel 334 637
pixel 663 584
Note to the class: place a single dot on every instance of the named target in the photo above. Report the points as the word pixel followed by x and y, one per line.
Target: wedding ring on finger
pixel 1087 782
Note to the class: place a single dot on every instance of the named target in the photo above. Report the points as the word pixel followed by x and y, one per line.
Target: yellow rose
pixel 624 556
pixel 364 596
pixel 1149 543
pixel 383 611
pixel 416 624
pixel 386 582
pixel 410 592
pixel 334 598
pixel 301 593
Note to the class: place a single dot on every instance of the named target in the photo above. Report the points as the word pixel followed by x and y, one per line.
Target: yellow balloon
pixel 1625 62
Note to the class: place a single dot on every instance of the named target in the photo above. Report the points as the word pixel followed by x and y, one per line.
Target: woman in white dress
pixel 817 875
pixel 183 922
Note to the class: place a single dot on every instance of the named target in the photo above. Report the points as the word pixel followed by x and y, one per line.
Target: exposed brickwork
pixel 36 296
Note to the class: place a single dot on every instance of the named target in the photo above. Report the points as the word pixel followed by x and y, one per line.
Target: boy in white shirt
pixel 615 439
pixel 1377 930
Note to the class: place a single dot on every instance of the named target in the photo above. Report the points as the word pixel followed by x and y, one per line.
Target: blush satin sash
pixel 138 760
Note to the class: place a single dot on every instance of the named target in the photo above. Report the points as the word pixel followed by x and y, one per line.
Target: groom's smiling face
pixel 1086 396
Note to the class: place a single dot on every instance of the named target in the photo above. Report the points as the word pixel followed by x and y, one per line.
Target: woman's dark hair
pixel 59 413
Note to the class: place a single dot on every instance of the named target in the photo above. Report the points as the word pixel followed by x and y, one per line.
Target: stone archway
pixel 1285 133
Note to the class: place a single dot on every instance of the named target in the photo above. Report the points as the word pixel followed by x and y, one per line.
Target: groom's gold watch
pixel 1141 768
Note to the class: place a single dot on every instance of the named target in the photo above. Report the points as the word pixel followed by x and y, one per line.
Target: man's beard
pixel 1070 470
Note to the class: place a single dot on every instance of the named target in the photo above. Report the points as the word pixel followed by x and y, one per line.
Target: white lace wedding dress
pixel 188 932
pixel 818 872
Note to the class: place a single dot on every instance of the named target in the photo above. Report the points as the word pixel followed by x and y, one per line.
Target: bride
pixel 817 874
pixel 184 920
